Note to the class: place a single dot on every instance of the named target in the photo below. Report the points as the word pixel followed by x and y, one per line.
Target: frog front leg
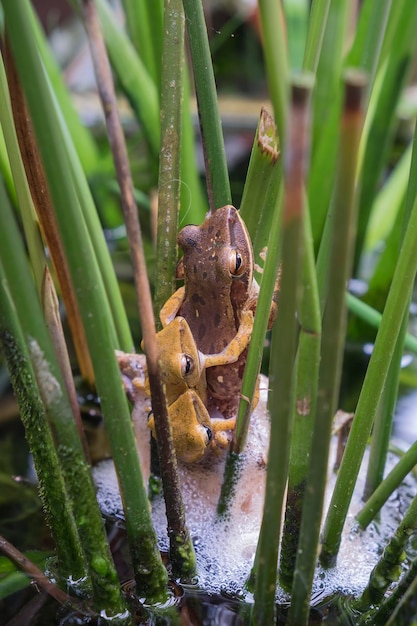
pixel 171 307
pixel 236 346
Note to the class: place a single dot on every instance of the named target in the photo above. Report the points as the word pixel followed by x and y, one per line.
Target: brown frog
pixel 217 267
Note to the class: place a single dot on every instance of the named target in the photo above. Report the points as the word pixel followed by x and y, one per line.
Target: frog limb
pixel 235 348
pixel 171 307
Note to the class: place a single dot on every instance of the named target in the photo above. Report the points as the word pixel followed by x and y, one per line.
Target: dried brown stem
pixel 177 530
pixel 43 205
pixel 38 576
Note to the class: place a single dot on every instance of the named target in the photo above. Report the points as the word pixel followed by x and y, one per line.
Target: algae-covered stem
pixel 283 343
pixel 39 577
pixel 181 548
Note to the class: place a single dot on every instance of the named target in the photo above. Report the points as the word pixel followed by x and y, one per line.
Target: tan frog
pixel 217 267
pixel 182 369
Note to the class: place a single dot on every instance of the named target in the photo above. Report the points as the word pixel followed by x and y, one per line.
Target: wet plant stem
pixel 284 337
pixel 304 409
pixel 182 553
pixel 388 567
pixel 170 153
pixel 79 485
pixel 52 490
pixel 36 574
pixel 84 272
pixel 333 336
pixel 255 210
pixel 218 186
pixel 395 308
pixel 383 421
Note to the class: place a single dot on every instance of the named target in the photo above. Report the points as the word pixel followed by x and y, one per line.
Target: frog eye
pixel 208 433
pixel 236 266
pixel 187 365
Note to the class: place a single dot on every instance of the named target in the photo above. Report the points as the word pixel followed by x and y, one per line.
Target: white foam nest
pixel 225 548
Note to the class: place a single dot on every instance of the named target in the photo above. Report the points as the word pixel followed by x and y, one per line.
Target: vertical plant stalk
pixel 43 206
pixel 79 485
pixel 170 153
pixel 398 607
pixel 304 409
pixel 395 309
pixel 283 343
pixel 182 554
pixel 150 573
pixel 52 490
pixel 29 221
pixel 333 336
pixel 264 166
pixel 388 567
pixel 383 421
pixel 275 50
pixel 218 186
pixel 316 27
pixel 144 21
pixel 261 172
pixel 387 487
pixel 50 308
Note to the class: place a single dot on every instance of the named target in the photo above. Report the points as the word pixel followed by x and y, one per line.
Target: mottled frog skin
pixel 218 284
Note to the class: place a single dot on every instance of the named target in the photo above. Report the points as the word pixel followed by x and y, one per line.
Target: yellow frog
pixel 183 370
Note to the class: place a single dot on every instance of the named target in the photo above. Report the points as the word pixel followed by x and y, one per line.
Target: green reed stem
pixel 276 59
pixel 218 186
pixel 319 11
pixel 261 172
pixel 383 421
pixel 79 485
pixel 327 104
pixel 81 136
pixel 374 317
pixel 52 490
pixel 387 487
pixel 170 153
pixel 381 129
pixel 253 361
pixel 284 337
pixel 133 76
pixel 304 410
pixel 144 21
pixel 151 576
pixel 117 312
pixel 395 308
pixel 181 549
pixel 388 567
pixel 334 325
pixel 398 607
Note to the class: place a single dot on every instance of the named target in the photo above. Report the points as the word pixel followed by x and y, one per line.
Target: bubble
pixel 225 549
